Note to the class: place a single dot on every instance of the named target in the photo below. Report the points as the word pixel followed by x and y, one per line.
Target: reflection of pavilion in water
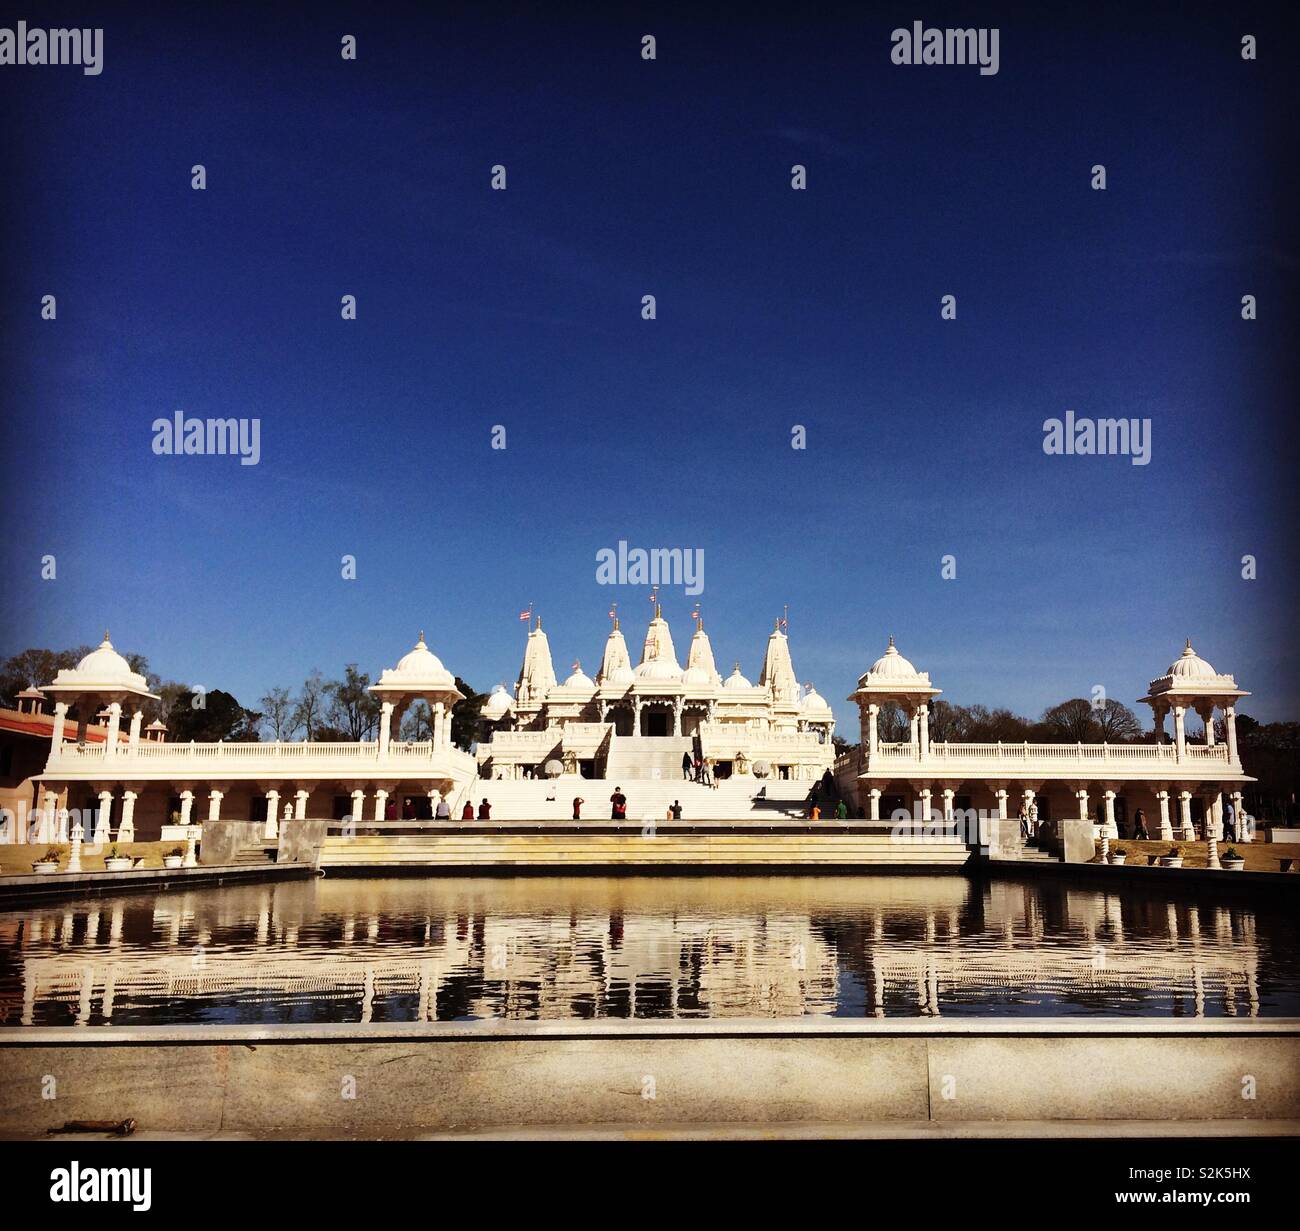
pixel 737 951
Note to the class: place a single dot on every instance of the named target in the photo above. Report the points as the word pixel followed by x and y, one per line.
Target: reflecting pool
pixel 408 949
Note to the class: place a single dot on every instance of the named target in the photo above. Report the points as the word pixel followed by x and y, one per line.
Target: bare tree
pixel 278 708
pixel 891 723
pixel 1116 721
pixel 353 708
pixel 310 706
pixel 1072 721
pixel 417 722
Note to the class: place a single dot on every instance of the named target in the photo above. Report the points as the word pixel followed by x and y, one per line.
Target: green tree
pixel 208 717
pixel 464 716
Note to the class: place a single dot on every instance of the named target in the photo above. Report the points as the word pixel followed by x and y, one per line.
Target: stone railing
pixel 273 757
pixel 1053 754
pixel 720 743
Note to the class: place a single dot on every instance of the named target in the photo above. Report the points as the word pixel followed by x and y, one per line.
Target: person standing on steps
pixel 686 766
pixel 618 805
pixel 578 801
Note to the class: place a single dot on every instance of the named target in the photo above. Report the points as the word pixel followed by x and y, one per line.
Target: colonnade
pixel 1174 820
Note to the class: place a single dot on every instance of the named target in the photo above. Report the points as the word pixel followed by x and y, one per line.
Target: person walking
pixel 618 805
pixel 1033 818
pixel 841 811
pixel 578 801
pixel 1024 821
pixel 1140 827
pixel 1229 821
pixel 687 765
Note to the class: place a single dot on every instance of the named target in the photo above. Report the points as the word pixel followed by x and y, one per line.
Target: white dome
pixel 814 701
pixel 892 665
pixel 579 680
pixel 102 670
pixel 662 670
pixel 696 677
pixel 736 680
pixel 1191 666
pixel 420 667
pixel 620 677
pixel 105 663
pixel 497 704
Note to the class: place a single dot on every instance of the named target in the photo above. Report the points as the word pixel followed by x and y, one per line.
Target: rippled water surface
pixel 452 950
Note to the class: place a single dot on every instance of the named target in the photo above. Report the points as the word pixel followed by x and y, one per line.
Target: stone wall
pixel 301 841
pixel 223 840
pixel 508 1077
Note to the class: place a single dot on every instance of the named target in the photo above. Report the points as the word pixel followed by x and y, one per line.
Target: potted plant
pixel 1232 861
pixel 47 864
pixel 1172 858
pixel 113 862
pixel 1118 856
pixel 174 858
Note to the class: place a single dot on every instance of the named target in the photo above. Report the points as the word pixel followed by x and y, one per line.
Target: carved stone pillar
pixel 126 827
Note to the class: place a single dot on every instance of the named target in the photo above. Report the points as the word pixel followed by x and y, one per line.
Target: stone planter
pixel 46 867
pixel 173 861
pixel 120 864
pixel 1233 865
pixel 1118 860
pixel 1171 861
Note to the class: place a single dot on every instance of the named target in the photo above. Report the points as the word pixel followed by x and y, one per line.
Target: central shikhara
pixel 642 721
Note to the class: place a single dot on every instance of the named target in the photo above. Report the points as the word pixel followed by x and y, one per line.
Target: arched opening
pixel 656 720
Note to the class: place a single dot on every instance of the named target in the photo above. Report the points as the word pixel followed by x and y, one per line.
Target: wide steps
pixel 730 849
pixel 648 798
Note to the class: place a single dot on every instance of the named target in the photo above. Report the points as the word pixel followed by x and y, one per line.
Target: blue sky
pixel 775 308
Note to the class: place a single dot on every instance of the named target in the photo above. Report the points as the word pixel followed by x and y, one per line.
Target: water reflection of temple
pixel 687 948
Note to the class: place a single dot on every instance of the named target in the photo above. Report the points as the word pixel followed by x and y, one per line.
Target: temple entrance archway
pixel 656 722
